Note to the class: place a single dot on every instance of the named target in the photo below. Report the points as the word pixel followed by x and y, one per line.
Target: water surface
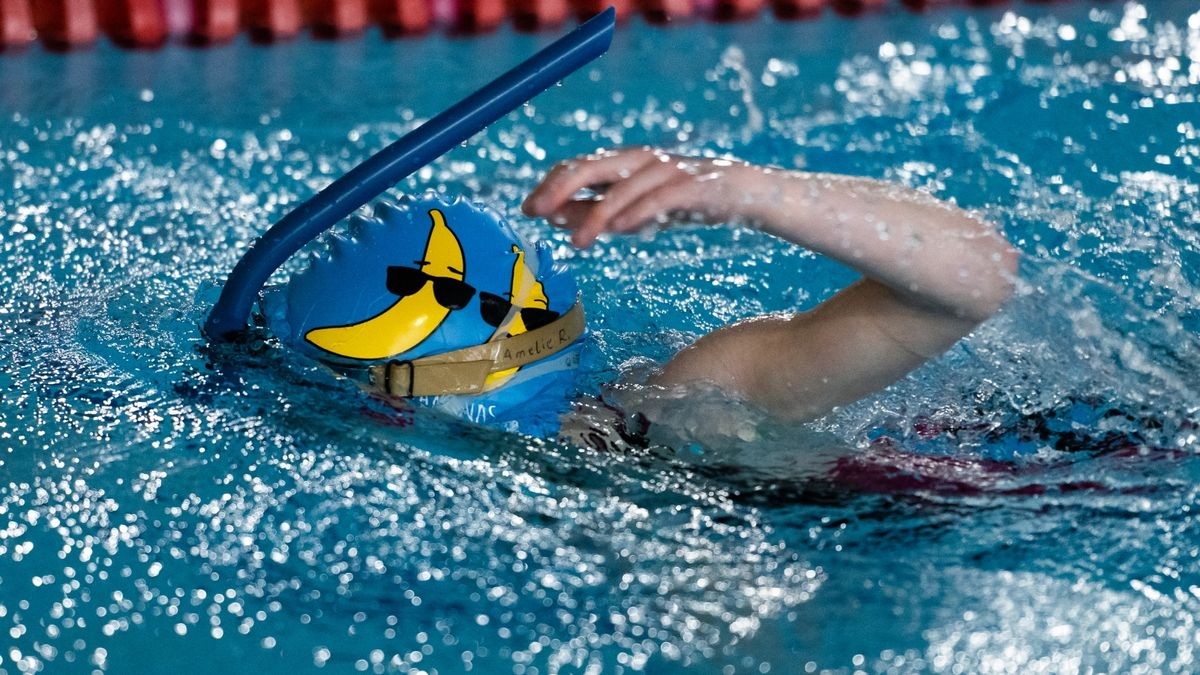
pixel 1024 502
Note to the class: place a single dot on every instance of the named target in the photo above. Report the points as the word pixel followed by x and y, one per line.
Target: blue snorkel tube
pixel 395 162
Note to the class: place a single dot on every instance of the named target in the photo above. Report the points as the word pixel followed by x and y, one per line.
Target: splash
pixel 1024 500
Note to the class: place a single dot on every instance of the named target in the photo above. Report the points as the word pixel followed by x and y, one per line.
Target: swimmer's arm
pixel 931 271
pixel 801 367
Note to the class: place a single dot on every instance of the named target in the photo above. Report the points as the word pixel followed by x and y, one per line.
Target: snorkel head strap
pixel 466 371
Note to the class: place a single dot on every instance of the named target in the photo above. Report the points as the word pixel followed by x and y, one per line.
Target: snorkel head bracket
pixel 395 162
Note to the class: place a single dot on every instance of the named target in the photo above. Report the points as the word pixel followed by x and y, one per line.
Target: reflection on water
pixel 1024 502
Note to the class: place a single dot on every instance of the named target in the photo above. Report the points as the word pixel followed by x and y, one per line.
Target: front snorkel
pixel 398 160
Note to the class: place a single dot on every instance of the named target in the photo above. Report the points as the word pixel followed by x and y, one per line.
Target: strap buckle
pixel 388 369
pixel 466 371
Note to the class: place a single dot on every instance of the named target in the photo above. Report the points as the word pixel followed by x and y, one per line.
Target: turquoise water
pixel 1024 502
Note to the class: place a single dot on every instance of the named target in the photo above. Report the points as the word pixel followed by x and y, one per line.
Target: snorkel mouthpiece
pixel 392 164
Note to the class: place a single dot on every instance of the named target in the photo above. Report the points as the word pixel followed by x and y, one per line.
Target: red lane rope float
pixel 856 7
pixel 134 23
pixel 922 5
pixel 271 20
pixel 797 9
pixel 336 18
pixel 586 9
pixel 737 10
pixel 667 11
pixel 179 17
pixel 66 24
pixel 213 21
pixel 16 24
pixel 469 16
pixel 402 17
pixel 537 14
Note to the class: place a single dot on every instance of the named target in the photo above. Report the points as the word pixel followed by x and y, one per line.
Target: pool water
pixel 1023 503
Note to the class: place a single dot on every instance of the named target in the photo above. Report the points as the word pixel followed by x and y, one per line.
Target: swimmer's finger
pixel 656 205
pixel 571 215
pixel 646 179
pixel 569 177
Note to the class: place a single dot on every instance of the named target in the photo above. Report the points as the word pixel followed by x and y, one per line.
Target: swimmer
pixel 442 304
pixel 931 271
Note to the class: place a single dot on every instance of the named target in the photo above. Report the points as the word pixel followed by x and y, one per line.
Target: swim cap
pixel 442 302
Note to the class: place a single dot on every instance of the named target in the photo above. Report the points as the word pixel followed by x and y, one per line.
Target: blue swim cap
pixel 442 302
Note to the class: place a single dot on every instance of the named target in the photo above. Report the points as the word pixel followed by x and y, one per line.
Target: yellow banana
pixel 526 291
pixel 410 320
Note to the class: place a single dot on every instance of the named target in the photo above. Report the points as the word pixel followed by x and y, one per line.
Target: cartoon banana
pixel 408 321
pixel 526 291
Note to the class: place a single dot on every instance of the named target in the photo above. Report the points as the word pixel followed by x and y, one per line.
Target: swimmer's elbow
pixel 1000 285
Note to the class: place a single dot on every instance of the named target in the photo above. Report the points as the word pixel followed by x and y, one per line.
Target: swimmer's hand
pixel 931 271
pixel 639 186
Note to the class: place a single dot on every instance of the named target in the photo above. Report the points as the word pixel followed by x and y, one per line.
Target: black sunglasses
pixel 494 309
pixel 450 293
